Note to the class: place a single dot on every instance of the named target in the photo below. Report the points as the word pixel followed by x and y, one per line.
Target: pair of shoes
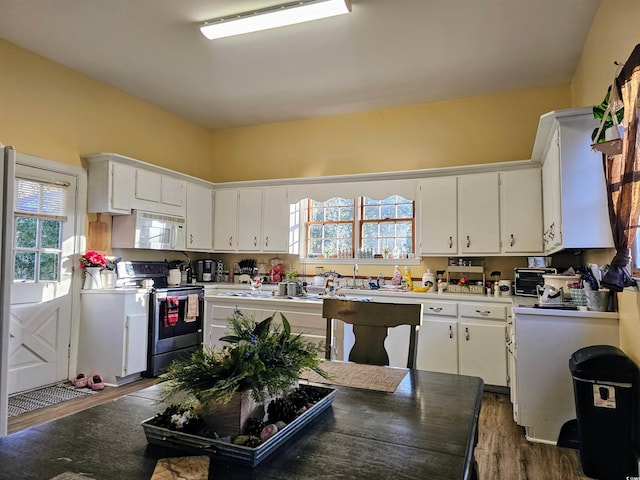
pixel 81 381
pixel 96 382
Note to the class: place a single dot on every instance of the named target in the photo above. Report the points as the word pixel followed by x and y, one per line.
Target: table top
pixel 427 428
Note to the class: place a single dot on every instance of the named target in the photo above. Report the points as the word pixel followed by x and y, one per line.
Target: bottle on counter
pixel 396 279
pixel 407 276
pixel 380 280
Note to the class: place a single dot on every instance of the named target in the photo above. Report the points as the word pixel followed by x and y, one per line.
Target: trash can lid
pixel 602 362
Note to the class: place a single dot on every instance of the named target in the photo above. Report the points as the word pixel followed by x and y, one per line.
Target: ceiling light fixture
pixel 273 17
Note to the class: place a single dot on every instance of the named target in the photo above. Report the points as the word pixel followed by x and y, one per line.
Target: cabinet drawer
pixel 482 310
pixel 440 309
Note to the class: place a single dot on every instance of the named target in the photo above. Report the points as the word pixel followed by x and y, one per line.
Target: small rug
pixel 370 377
pixel 71 476
pixel 44 397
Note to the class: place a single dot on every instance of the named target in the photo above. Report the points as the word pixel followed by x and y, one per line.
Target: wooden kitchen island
pixel 427 428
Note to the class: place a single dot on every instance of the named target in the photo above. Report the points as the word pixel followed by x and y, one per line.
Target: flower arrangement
pixel 95 259
pixel 264 357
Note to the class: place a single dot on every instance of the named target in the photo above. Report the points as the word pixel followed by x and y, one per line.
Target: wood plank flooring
pixel 502 452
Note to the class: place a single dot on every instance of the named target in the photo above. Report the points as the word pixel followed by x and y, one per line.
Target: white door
pixel 521 211
pixel 41 295
pixel 478 213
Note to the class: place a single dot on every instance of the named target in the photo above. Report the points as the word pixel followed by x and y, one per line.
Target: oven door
pixel 170 329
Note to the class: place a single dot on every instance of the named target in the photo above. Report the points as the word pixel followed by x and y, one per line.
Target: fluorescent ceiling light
pixel 273 17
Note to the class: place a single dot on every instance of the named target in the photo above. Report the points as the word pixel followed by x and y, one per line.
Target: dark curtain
pixel 623 177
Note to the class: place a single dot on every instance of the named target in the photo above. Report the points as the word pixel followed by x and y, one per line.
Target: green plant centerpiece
pixel 261 361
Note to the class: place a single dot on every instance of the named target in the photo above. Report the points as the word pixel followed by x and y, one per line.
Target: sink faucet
pixel 355 274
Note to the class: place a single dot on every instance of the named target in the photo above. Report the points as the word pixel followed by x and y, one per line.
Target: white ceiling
pixel 384 53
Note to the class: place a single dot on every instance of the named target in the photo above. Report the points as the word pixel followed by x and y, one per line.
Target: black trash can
pixel 605 383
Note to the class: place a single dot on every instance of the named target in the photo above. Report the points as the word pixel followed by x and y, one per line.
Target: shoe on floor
pixel 96 382
pixel 81 381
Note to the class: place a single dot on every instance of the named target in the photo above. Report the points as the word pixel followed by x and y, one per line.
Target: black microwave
pixel 528 279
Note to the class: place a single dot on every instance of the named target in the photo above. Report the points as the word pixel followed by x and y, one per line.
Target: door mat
pixel 44 397
pixel 370 377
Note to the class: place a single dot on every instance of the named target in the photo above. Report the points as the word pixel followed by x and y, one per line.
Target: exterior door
pixel 41 295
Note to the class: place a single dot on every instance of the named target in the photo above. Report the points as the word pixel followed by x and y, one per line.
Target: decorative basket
pixel 578 296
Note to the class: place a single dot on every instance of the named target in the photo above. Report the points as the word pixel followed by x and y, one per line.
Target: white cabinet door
pixel 551 208
pixel 135 346
pixel 482 351
pixel 478 213
pixel 521 211
pixel 437 345
pixel 199 218
pixel 225 220
pixel 249 219
pixel 275 219
pixel 438 216
pixel 121 186
pixel 173 191
pixel 148 185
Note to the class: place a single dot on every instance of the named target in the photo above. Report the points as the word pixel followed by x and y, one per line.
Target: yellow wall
pixel 613 35
pixel 56 113
pixel 475 130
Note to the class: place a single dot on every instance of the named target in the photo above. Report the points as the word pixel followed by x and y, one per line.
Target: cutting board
pixel 98 238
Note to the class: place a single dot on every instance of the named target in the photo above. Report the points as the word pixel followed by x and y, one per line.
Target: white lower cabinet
pixel 113 335
pixel 464 338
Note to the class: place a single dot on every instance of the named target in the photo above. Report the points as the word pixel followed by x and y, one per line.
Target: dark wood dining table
pixel 426 429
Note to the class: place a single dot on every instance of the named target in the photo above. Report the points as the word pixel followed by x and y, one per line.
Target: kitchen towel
pixel 192 308
pixel 171 311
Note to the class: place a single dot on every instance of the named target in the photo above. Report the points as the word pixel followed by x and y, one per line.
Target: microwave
pixel 528 279
pixel 148 230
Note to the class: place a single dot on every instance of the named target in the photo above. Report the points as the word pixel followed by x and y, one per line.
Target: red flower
pixel 93 259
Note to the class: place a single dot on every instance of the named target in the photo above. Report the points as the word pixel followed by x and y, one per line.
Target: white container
pixel 174 277
pixel 505 287
pixel 429 280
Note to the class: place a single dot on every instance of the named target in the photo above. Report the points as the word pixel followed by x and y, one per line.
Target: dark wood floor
pixel 502 452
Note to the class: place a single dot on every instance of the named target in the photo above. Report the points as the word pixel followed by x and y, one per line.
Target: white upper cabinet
pixel 275 219
pixel 156 192
pixel 225 220
pixel 521 211
pixel 438 216
pixel 199 218
pixel 251 220
pixel 478 213
pixel 109 186
pixel 574 190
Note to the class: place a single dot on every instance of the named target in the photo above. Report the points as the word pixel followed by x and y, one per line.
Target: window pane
pixel 331 214
pixel 26 232
pixel 24 266
pixel 315 231
pixel 405 211
pixel 330 231
pixel 315 246
pixel 388 211
pixel 371 213
pixel 387 229
pixel 345 231
pixel 347 214
pixel 51 233
pixel 370 230
pixel 49 266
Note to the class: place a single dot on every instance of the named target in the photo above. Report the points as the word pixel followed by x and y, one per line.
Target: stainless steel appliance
pixel 148 230
pixel 527 280
pixel 205 271
pixel 172 333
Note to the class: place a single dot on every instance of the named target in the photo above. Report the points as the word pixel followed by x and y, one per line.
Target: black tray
pixel 236 453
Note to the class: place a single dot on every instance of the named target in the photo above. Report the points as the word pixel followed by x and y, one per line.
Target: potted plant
pixel 610 113
pixel 93 262
pixel 261 361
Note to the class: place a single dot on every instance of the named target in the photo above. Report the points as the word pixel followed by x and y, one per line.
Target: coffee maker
pixel 205 271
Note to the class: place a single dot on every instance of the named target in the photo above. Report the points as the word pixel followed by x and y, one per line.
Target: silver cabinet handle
pixel 450 331
pixel 191 238
pixel 450 242
pixel 230 241
pixel 435 309
pixel 266 241
pixel 466 334
pixel 255 241
pixel 513 240
pixel 483 312
pixel 468 241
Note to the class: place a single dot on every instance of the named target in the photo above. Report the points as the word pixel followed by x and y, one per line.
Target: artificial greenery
pixel 598 114
pixel 263 357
